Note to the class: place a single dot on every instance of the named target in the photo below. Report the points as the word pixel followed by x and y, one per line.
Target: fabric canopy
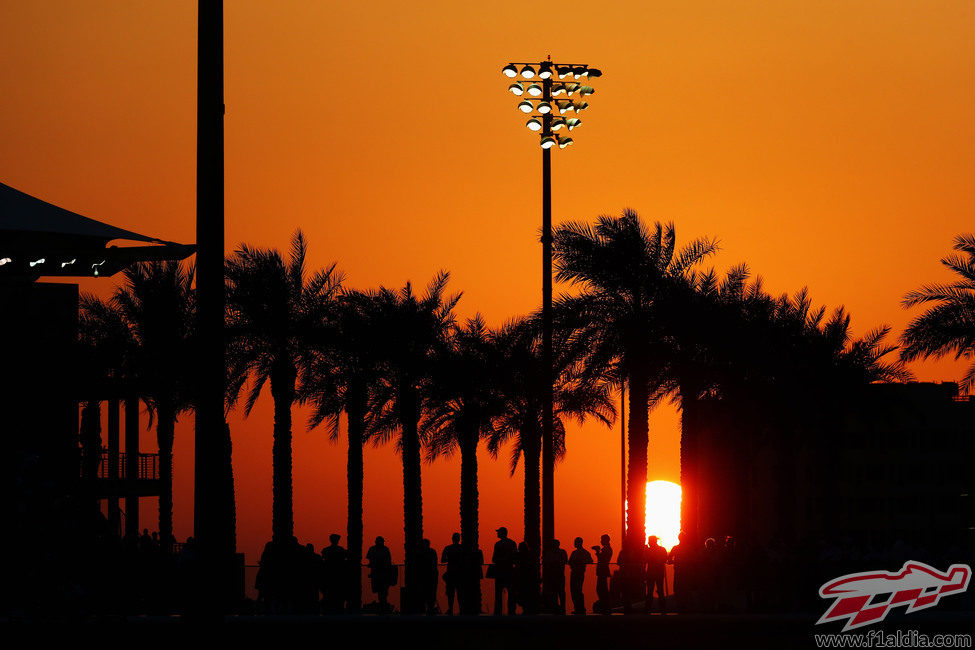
pixel 38 239
pixel 24 213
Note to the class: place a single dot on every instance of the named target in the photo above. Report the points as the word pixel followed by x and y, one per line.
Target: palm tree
pixel 575 395
pixel 704 330
pixel 629 275
pixel 106 349
pixel 273 310
pixel 735 342
pixel 520 421
pixel 340 374
pixel 463 402
pixel 863 359
pixel 795 352
pixel 949 325
pixel 149 320
pixel 415 331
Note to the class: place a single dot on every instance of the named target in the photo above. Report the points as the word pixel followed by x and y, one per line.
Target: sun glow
pixel 663 511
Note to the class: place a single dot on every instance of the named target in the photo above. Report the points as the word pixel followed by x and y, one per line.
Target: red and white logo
pixel 916 585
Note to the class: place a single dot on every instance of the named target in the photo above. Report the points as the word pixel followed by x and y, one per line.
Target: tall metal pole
pixel 545 107
pixel 548 442
pixel 210 523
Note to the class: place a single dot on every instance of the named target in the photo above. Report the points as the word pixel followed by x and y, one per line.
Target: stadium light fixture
pixel 544 121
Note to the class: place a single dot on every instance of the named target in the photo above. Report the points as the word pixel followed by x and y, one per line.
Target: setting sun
pixel 663 511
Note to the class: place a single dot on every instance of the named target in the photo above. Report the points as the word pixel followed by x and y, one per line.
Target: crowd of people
pixel 295 579
pixel 141 574
pixel 718 575
pixel 132 574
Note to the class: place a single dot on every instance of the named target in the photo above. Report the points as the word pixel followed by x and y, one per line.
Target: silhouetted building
pixel 44 382
pixel 806 488
pixel 894 462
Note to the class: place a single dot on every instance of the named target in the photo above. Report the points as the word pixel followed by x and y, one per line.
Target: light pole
pixel 213 517
pixel 541 104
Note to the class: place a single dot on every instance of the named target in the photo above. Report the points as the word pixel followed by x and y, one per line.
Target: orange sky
pixel 826 143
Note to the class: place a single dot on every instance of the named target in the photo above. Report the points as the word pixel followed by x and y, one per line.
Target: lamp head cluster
pixel 543 100
pixel 52 263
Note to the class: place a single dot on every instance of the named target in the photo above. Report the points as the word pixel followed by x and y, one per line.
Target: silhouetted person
pixel 708 568
pixel 291 575
pixel 188 567
pixel 470 594
pixel 453 575
pixel 503 570
pixel 526 570
pixel 674 558
pixel 335 575
pixel 656 567
pixel 275 577
pixel 262 581
pixel 577 575
pixel 632 574
pixel 380 572
pixel 553 573
pixel 431 577
pixel 728 578
pixel 604 555
pixel 308 577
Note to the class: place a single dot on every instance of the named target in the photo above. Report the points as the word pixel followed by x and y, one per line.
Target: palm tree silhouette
pixel 949 325
pixel 415 331
pixel 149 322
pixel 273 309
pixel 341 373
pixel 733 341
pixel 705 330
pixel 520 421
pixel 106 351
pixel 464 400
pixel 576 394
pixel 628 273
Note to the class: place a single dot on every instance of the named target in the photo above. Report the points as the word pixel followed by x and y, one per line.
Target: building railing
pixel 148 466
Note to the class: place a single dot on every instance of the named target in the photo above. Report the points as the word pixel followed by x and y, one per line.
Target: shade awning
pixel 21 212
pixel 38 239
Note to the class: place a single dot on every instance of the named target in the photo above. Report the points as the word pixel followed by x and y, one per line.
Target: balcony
pixel 112 475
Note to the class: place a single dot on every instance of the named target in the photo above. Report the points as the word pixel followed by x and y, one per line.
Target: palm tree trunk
pixel 283 377
pixel 165 428
pixel 690 490
pixel 530 450
pixel 638 439
pixel 354 478
pixel 91 442
pixel 468 489
pixel 470 587
pixel 412 498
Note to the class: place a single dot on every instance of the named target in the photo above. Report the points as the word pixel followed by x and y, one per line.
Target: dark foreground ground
pixel 462 633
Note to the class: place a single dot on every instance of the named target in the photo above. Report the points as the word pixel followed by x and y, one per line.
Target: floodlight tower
pixel 546 109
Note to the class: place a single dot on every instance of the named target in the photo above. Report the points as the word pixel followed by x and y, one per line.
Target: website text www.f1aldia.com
pixel 898 639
